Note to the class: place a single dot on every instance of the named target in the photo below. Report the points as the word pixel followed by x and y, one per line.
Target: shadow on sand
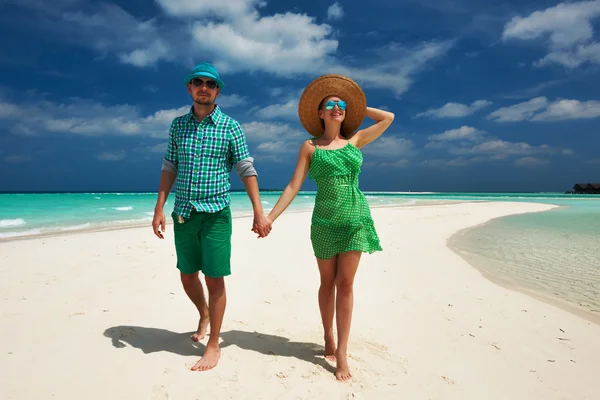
pixel 151 340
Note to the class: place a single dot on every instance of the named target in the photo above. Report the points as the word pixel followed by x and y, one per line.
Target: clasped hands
pixel 261 225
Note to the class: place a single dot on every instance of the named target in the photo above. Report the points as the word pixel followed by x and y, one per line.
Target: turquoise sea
pixel 553 255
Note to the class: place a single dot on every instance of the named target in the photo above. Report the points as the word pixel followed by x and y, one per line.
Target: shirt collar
pixel 215 116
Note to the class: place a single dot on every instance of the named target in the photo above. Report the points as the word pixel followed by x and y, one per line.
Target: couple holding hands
pixel 206 144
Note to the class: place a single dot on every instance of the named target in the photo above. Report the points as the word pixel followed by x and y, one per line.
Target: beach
pixel 103 315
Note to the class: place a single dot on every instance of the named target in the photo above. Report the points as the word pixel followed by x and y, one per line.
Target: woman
pixel 331 108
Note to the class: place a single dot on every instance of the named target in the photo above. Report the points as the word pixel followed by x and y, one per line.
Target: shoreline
pixel 425 323
pixel 235 215
pixel 513 284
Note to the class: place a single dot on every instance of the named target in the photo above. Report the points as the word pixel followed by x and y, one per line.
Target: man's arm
pixel 167 179
pixel 244 165
pixel 251 186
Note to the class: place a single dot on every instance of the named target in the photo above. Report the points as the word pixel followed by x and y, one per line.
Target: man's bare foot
pixel 330 348
pixel 342 371
pixel 201 332
pixel 209 360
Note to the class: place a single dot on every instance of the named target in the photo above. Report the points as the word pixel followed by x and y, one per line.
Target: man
pixel 204 145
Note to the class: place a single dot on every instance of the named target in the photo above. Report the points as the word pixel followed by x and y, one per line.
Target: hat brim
pixel 332 85
pixel 204 75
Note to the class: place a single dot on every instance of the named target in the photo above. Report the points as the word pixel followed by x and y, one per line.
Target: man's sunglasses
pixel 331 103
pixel 199 82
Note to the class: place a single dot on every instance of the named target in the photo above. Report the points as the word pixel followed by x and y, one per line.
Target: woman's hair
pixel 323 122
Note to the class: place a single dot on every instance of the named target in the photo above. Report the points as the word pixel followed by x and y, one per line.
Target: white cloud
pixel 236 35
pixel 282 44
pixel 540 109
pixel 569 109
pixel 390 146
pixel 503 148
pixel 86 117
pixel 272 132
pixel 519 112
pixel 397 65
pixel 593 161
pixel 455 110
pixel 335 11
pixel 565 24
pixel 146 57
pixel 276 142
pixel 231 100
pixel 531 162
pixel 8 110
pixel 204 8
pixel 117 155
pixel 462 133
pixel 567 28
pixel 473 145
pixel 287 110
pixel 157 148
pixel 278 147
pixel 452 162
pixel 401 163
pixel 108 28
pixel 574 58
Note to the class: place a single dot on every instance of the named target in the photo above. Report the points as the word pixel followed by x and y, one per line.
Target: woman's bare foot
pixel 201 332
pixel 209 360
pixel 342 371
pixel 330 348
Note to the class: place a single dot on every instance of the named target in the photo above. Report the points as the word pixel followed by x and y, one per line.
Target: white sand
pixel 103 316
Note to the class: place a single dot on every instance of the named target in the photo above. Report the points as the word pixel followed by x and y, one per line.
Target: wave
pixel 128 208
pixel 75 227
pixel 30 232
pixel 129 221
pixel 11 222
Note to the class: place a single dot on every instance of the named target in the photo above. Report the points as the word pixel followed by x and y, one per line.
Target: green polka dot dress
pixel 341 219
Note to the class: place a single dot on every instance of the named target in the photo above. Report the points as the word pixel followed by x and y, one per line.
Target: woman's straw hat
pixel 332 85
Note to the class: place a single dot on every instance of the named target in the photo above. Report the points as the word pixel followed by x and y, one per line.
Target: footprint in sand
pixel 159 392
pixel 385 370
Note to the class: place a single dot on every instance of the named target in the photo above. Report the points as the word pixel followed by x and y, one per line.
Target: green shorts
pixel 203 243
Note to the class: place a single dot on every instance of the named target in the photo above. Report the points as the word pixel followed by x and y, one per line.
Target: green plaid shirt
pixel 203 153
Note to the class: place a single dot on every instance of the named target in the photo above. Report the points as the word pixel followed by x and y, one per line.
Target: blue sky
pixel 488 96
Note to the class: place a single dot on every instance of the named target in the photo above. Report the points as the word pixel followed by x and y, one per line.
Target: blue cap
pixel 205 70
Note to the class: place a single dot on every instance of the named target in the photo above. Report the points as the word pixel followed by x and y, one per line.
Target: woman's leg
pixel 327 270
pixel 347 264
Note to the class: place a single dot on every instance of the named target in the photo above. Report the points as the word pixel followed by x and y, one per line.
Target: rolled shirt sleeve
pixel 246 168
pixel 170 160
pixel 244 163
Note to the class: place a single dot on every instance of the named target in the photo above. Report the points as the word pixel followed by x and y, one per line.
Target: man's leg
pixel 216 250
pixel 193 288
pixel 217 300
pixel 189 262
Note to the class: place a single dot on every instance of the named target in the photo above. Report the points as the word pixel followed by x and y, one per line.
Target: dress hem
pixel 362 250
